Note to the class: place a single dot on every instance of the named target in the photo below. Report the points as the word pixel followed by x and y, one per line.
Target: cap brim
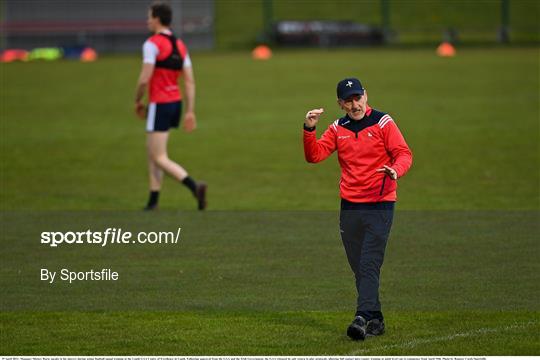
pixel 351 92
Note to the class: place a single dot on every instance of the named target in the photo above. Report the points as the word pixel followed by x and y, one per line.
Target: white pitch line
pixel 416 342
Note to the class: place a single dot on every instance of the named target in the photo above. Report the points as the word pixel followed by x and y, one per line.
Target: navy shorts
pixel 163 116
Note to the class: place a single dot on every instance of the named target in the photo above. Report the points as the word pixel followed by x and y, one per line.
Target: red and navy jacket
pixel 363 146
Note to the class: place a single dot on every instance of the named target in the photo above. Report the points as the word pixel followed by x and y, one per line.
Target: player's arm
pixel 150 52
pixel 142 84
pixel 317 150
pixel 190 120
pixel 401 153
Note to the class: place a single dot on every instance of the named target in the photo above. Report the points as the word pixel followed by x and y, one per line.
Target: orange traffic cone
pixel 446 50
pixel 261 52
pixel 88 55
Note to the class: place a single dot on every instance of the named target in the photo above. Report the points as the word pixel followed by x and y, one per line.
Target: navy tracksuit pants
pixel 365 228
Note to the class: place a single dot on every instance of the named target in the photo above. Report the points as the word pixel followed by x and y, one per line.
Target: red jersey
pixel 159 50
pixel 363 146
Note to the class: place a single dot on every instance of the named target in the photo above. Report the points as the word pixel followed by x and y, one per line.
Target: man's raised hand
pixel 312 117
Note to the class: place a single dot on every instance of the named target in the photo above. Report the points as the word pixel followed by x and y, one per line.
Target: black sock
pixel 190 183
pixel 153 199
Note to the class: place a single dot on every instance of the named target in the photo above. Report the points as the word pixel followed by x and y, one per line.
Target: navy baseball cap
pixel 348 87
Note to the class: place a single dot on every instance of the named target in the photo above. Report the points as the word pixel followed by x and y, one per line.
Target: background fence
pixel 119 26
pixel 108 26
pixel 407 22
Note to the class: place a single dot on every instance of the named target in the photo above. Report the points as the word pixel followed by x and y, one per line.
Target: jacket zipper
pixel 382 187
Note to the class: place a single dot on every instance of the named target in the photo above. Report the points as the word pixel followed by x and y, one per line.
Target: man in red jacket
pixel 372 154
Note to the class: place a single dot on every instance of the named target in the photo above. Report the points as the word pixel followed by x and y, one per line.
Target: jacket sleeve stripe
pixel 385 120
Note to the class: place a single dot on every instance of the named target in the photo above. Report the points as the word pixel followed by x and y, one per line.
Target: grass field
pixel 264 272
pixel 414 21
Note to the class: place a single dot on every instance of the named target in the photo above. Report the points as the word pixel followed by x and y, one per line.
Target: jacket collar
pixel 368 110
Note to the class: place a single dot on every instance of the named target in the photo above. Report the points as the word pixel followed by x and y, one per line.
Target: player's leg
pixel 156 143
pixel 161 117
pixel 155 178
pixel 155 175
pixel 378 222
pixel 158 123
pixel 198 188
pixel 157 150
pixel 352 232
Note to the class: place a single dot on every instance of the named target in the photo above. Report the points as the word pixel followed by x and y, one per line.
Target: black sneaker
pixel 150 208
pixel 200 194
pixel 375 327
pixel 357 329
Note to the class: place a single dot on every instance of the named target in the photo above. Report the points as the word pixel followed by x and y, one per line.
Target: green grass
pixel 471 121
pixel 263 333
pixel 272 283
pixel 264 272
pixel 280 261
pixel 414 21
